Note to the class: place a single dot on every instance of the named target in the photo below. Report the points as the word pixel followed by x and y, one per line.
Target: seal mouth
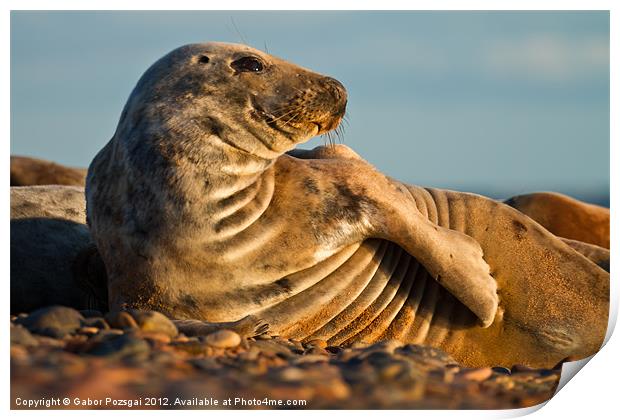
pixel 274 122
pixel 292 125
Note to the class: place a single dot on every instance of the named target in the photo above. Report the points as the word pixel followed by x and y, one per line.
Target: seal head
pixel 236 94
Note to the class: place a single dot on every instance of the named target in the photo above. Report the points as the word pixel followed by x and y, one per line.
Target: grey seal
pixel 201 209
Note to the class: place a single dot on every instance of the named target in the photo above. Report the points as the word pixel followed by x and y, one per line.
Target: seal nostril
pixel 337 89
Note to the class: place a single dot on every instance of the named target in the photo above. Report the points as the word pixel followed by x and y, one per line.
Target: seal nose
pixel 337 91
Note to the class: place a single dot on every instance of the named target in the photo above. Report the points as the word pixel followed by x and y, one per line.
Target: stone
pixel 223 339
pixel 477 374
pixel 180 339
pixel 104 335
pixel 192 347
pixel 97 322
pixel 52 321
pixel 155 337
pixel 263 337
pixel 316 350
pixel 310 358
pixel 207 363
pixel 392 370
pixel 88 330
pixel 121 320
pixel 333 349
pixel 121 346
pixel 271 348
pixel 378 358
pixel 20 335
pixel 501 370
pixel 153 321
pixel 316 343
pixel 292 374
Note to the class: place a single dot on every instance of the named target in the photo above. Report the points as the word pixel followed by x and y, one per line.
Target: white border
pixel 591 394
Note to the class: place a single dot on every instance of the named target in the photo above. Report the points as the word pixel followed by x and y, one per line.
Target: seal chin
pixel 328 125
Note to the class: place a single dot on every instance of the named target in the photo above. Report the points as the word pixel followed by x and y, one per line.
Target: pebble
pixel 88 330
pixel 250 355
pixel 310 358
pixel 121 346
pixel 104 335
pixel 477 375
pixel 153 321
pixel 192 347
pixel 223 339
pixel 391 371
pixel 155 337
pixel 271 348
pixel 547 372
pixel 263 337
pixel 292 374
pixel 20 335
pixel 316 343
pixel 378 358
pixel 501 370
pixel 50 341
pixel 97 322
pixel 316 350
pixel 432 357
pixel 206 363
pixel 52 321
pixel 121 320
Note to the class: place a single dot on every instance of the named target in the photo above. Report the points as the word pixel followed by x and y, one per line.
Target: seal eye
pixel 247 64
pixel 203 59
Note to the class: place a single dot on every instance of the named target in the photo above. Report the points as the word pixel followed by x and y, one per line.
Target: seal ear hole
pixel 203 59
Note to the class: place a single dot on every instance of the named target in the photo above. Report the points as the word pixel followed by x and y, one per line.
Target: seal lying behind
pixel 564 216
pixel 198 213
pixel 27 171
pixel 52 251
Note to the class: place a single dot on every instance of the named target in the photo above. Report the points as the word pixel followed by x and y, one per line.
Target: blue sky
pixel 498 103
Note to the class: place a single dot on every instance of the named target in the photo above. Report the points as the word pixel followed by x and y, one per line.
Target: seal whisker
pixel 232 20
pixel 283 115
pixel 292 118
pixel 274 119
pixel 285 108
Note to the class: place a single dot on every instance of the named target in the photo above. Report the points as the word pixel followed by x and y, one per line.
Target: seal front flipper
pixel 453 258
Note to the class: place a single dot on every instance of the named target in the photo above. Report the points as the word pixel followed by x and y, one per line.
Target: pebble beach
pixel 63 358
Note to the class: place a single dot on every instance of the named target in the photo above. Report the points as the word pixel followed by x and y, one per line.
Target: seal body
pixel 199 212
pixel 53 259
pixel 27 171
